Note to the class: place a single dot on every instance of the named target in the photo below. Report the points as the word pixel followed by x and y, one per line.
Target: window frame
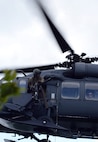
pixel 71 84
pixel 91 87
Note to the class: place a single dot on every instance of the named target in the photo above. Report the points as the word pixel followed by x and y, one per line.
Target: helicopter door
pixel 69 98
pixel 24 97
pixel 52 93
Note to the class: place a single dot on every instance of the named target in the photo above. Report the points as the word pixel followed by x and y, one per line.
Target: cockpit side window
pixel 23 84
pixel 91 91
pixel 70 90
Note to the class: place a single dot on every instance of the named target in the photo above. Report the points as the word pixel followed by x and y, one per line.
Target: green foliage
pixel 9 75
pixel 8 87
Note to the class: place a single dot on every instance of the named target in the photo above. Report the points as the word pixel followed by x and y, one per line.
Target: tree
pixel 8 87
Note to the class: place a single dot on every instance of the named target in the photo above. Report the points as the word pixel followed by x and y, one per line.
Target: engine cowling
pixel 85 70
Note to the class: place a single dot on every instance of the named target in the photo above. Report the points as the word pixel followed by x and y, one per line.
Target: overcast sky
pixel 26 40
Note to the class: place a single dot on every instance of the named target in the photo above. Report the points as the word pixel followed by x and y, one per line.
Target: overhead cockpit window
pixel 91 91
pixel 70 90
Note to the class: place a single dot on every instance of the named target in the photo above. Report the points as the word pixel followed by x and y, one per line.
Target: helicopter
pixel 71 94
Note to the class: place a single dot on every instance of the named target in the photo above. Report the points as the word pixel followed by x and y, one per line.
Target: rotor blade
pixel 30 69
pixel 61 41
pixel 6 140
